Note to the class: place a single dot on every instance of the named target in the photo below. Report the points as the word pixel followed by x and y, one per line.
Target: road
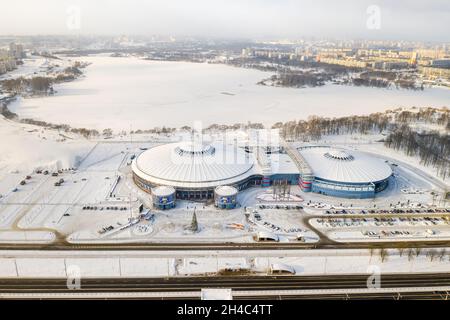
pixel 225 246
pixel 245 286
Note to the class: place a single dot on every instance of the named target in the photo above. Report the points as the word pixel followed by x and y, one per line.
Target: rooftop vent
pixel 339 155
pixel 195 149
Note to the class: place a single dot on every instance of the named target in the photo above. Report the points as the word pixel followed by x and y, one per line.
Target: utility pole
pixel 131 137
pixel 129 203
pixel 168 268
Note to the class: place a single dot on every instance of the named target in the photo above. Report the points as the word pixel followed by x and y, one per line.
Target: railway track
pixel 409 286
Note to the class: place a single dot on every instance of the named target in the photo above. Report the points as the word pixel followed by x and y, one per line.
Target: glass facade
pixel 348 190
pixel 208 193
pixel 225 202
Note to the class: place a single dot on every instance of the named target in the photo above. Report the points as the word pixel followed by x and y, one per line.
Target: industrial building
pixel 342 173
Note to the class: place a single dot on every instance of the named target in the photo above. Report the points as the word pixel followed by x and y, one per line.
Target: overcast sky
pixel 255 19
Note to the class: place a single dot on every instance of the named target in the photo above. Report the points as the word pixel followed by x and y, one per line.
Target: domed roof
pixel 226 191
pixel 193 165
pixel 163 191
pixel 345 166
pixel 339 155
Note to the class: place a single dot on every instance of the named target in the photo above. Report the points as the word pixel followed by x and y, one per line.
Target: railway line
pixel 392 286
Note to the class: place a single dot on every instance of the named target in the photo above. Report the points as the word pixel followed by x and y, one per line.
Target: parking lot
pixel 411 226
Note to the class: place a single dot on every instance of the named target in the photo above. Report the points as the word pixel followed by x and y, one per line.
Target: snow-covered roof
pixel 342 165
pixel 266 235
pixel 163 191
pixel 216 294
pixel 194 165
pixel 226 191
pixel 281 163
pixel 281 267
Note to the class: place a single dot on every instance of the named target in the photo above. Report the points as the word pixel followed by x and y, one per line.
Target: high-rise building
pixel 441 63
pixel 16 51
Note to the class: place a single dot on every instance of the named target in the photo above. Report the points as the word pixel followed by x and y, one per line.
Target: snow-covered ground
pixel 122 92
pixel 34 66
pixel 26 147
pixel 191 263
pixel 92 205
pixel 26 236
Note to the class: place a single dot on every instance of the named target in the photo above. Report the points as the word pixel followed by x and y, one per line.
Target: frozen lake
pixel 120 93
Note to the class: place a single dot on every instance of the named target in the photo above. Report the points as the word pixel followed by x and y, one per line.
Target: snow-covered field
pixel 26 236
pixel 26 147
pixel 183 263
pixel 120 93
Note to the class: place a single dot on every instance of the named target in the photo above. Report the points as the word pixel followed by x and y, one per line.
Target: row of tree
pixel 236 126
pixel 298 79
pixel 425 115
pixel 87 133
pixel 21 84
pixel 315 127
pixel 41 84
pixel 432 147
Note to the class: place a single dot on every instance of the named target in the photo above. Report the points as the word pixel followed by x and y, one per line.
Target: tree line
pixel 432 147
pixel 315 127
pixel 87 133
pixel 21 84
pixel 41 84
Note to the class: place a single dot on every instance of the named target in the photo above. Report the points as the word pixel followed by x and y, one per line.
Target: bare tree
pixel 384 253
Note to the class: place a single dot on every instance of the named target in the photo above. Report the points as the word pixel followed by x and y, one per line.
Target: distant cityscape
pixel 424 63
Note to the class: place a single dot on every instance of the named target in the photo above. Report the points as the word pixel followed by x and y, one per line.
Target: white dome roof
pixel 226 191
pixel 163 191
pixel 193 165
pixel 338 155
pixel 345 166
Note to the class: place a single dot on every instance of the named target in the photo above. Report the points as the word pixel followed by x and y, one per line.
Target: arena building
pixel 342 173
pixel 195 169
